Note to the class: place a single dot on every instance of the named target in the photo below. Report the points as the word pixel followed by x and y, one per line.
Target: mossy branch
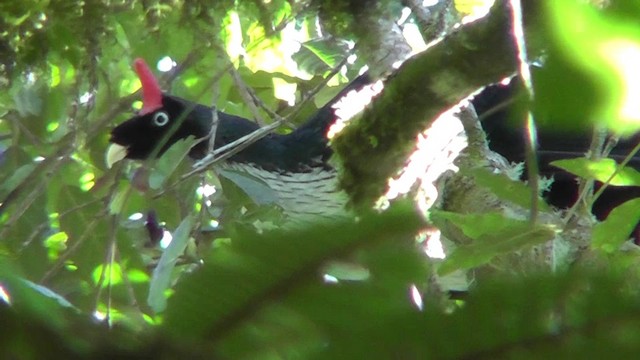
pixel 374 147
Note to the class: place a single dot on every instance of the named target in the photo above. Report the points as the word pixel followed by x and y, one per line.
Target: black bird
pixel 501 109
pixel 294 165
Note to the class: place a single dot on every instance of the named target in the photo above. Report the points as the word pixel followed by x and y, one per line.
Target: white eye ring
pixel 160 118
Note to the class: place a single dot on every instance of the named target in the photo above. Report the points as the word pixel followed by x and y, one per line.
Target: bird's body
pixel 293 167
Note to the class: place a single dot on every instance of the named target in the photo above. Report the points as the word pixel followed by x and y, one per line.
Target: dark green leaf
pixel 257 271
pixel 259 192
pixel 161 280
pixel 616 229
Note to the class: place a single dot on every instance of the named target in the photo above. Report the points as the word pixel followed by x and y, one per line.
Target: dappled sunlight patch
pixel 416 297
pixel 87 181
pixel 111 274
pixel 166 64
pixel 137 276
pixel 436 150
pixel 624 56
pixel 166 239
pixel 352 104
pixel 4 295
pixel 430 238
pixel 472 10
pixel 56 244
pixel 605 47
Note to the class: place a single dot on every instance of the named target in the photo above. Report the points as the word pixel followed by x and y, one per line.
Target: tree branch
pixel 422 88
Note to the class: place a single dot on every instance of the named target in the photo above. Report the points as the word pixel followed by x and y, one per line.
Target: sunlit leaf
pixel 493 235
pixel 604 46
pixel 107 275
pixel 321 55
pixel 616 229
pixel 600 170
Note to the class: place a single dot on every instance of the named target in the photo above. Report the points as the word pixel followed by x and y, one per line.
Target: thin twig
pixel 247 94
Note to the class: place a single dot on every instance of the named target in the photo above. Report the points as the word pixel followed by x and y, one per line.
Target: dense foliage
pixel 82 269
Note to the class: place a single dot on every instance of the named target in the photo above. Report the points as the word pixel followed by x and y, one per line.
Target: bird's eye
pixel 160 118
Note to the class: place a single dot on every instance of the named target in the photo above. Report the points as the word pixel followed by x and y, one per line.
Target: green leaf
pixel 29 297
pixel 28 101
pixel 505 188
pixel 320 55
pixel 474 225
pixel 616 229
pixel 603 47
pixel 493 235
pixel 259 192
pixel 600 170
pixel 161 279
pixel 237 281
pixel 16 178
pixel 347 271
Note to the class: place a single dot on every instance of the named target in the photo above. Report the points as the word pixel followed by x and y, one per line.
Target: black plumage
pixel 293 166
pixel 501 109
pixel 304 147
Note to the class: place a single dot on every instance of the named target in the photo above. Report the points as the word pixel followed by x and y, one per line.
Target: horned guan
pixel 295 165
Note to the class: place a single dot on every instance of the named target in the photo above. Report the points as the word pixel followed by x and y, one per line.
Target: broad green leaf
pixel 347 271
pixel 50 294
pixel 475 225
pixel 259 192
pixel 161 279
pixel 24 295
pixel 600 170
pixel 616 229
pixel 320 55
pixel 513 236
pixel 605 47
pixel 28 101
pixel 16 178
pixel 504 187
pixel 254 271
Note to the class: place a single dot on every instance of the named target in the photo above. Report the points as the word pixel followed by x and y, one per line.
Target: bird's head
pixel 161 114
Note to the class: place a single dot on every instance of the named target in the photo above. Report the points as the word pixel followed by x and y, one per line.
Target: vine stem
pixel 531 133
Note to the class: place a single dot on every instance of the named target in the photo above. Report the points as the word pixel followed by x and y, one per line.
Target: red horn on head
pixel 151 93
